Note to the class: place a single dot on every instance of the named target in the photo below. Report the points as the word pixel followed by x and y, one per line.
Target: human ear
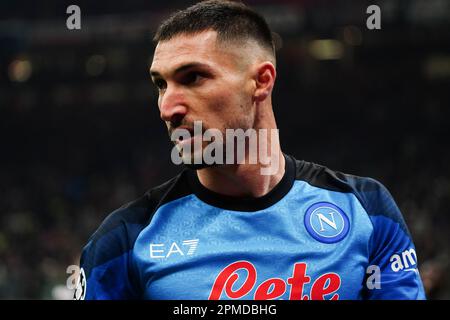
pixel 265 79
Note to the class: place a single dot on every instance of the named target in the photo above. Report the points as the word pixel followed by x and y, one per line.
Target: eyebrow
pixel 182 68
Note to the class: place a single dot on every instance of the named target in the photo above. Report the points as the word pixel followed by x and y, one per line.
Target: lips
pixel 180 140
pixel 186 133
pixel 189 140
pixel 191 130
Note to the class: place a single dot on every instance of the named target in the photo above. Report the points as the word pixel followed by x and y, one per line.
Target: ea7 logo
pixel 406 261
pixel 160 250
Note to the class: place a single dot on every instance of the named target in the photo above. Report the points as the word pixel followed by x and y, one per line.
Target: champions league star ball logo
pixel 80 290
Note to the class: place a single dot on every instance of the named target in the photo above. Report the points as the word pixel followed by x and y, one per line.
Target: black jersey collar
pixel 245 203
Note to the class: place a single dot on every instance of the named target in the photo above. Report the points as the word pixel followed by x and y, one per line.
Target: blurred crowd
pixel 80 134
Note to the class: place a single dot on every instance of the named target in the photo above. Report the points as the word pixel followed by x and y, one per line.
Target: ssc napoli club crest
pixel 326 222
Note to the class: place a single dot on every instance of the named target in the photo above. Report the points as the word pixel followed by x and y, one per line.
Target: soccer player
pixel 227 231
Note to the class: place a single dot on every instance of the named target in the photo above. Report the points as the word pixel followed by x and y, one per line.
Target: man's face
pixel 199 78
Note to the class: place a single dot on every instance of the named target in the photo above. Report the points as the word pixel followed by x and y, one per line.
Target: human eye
pixel 159 83
pixel 192 78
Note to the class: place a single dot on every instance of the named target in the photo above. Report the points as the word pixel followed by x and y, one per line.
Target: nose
pixel 172 104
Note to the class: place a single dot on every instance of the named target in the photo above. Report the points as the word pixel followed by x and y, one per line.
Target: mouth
pixel 190 140
pixel 183 139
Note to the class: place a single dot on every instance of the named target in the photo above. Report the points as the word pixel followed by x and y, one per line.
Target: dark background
pixel 80 133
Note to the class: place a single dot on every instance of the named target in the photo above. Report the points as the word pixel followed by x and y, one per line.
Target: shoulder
pixel 371 193
pixel 324 177
pixel 119 230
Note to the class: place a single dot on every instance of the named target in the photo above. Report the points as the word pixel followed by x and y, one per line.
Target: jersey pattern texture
pixel 319 234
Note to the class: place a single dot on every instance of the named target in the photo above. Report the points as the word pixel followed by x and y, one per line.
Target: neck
pixel 255 180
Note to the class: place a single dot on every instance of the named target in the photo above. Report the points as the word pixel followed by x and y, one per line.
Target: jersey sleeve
pixel 107 270
pixel 392 272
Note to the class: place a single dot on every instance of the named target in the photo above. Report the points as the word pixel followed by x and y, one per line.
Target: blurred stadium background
pixel 80 133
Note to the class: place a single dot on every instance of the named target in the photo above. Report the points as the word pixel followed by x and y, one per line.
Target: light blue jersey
pixel 318 234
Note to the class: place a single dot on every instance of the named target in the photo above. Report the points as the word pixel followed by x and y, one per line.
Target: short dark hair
pixel 231 20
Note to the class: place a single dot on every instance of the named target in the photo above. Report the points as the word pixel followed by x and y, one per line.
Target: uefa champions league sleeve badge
pixel 80 290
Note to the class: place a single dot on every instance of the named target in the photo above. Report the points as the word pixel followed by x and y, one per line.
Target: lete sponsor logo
pixel 325 287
